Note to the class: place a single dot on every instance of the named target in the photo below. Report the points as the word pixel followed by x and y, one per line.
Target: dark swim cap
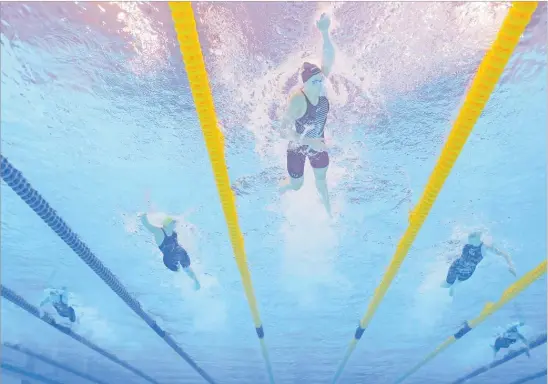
pixel 308 71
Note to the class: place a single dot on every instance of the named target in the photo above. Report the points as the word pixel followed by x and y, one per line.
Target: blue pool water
pixel 96 111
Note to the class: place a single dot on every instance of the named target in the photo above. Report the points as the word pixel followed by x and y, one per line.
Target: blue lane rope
pixel 53 363
pixel 541 339
pixel 530 377
pixel 30 375
pixel 10 295
pixel 15 179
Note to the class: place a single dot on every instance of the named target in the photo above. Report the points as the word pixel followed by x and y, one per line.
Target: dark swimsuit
pixel 313 123
pixel 64 310
pixel 507 339
pixel 173 253
pixel 463 268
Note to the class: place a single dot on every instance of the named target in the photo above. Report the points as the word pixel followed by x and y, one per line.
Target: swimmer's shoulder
pixel 297 101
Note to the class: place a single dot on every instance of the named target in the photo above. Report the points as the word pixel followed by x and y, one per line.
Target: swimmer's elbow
pixel 146 223
pixel 327 62
pixel 328 54
pixel 495 250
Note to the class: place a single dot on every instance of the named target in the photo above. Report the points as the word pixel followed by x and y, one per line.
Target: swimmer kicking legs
pixel 304 122
pixel 175 256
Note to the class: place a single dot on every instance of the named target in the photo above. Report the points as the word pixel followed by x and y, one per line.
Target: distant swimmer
pixel 175 256
pixel 509 337
pixel 472 254
pixel 59 300
pixel 304 121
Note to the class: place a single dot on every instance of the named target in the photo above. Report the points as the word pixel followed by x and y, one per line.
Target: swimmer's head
pixel 474 237
pixel 168 223
pixel 312 78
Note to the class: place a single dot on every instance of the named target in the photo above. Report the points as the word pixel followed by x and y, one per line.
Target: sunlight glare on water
pixel 96 110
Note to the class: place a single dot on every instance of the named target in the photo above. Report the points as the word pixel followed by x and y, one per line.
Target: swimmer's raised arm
pixel 328 50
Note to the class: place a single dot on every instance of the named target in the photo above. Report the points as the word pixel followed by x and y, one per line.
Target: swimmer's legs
pixel 452 288
pixel 192 275
pixel 321 185
pixel 451 278
pixel 291 184
pixel 296 158
pixel 494 352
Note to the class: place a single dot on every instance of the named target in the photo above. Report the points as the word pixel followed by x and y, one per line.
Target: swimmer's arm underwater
pixel 295 110
pixel 506 257
pixel 525 342
pixel 292 113
pixel 46 300
pixel 144 219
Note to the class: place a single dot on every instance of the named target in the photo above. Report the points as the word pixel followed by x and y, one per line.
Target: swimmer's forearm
pixel 506 257
pixel 328 48
pixel 144 219
pixel 328 54
pixel 292 135
pixel 502 254
pixel 146 223
pixel 311 140
pixel 288 131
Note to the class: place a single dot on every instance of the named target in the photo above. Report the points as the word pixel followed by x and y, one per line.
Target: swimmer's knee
pixel 320 174
pixel 297 184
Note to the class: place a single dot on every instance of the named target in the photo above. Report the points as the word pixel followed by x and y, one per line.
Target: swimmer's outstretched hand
pixel 324 22
pixel 512 270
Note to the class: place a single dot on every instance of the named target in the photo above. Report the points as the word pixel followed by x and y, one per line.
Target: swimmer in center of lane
pixel 304 122
pixel 59 300
pixel 175 256
pixel 472 254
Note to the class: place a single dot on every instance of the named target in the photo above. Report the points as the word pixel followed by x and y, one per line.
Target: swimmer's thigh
pixel 453 272
pixel 184 259
pixel 464 273
pixel 319 161
pixel 171 263
pixel 295 162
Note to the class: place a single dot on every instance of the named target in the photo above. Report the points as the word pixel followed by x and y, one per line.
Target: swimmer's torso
pixel 472 254
pixel 170 245
pixel 312 123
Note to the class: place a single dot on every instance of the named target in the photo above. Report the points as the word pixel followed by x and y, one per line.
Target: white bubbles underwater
pixel 103 156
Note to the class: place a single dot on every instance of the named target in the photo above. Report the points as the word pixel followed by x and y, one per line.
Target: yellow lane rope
pixel 187 35
pixel 486 78
pixel 490 308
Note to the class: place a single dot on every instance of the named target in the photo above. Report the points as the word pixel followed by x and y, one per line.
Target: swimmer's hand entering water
pixel 324 22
